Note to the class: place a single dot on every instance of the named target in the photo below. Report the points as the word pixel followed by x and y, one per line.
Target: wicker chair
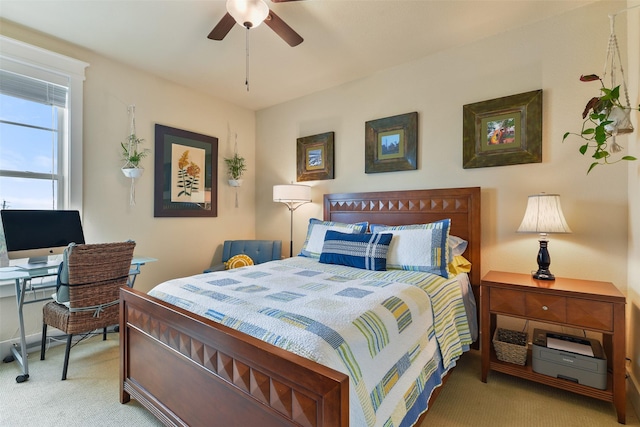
pixel 96 273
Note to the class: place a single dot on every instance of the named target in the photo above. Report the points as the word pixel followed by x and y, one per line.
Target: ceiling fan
pixel 251 13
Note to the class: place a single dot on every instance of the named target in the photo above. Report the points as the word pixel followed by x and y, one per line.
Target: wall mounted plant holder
pixel 132 155
pixel 133 173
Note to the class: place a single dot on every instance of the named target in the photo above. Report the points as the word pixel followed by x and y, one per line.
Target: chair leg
pixel 43 344
pixel 66 357
pixel 104 334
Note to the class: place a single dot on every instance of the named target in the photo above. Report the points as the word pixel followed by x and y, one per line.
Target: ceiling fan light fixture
pixel 248 13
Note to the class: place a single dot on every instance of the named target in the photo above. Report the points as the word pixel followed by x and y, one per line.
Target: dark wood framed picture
pixel 315 157
pixel 186 173
pixel 503 131
pixel 391 144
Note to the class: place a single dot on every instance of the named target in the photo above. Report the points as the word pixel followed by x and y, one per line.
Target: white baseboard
pixel 32 341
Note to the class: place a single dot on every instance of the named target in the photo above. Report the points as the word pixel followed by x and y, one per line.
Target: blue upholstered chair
pixel 258 250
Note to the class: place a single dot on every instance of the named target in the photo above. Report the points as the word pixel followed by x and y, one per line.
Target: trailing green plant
pixel 236 166
pixel 600 124
pixel 131 154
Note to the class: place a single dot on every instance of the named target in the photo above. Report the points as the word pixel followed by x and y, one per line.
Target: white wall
pixel 633 296
pixel 183 246
pixel 550 55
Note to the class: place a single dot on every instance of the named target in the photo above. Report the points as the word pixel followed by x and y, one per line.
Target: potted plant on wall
pixel 236 167
pixel 605 117
pixel 132 155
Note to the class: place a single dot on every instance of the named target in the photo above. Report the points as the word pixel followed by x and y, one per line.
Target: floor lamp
pixel 544 215
pixel 293 196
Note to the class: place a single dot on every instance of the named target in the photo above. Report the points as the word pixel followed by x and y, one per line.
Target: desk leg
pixel 21 355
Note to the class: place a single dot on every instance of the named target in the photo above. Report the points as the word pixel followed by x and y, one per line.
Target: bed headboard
pixel 461 205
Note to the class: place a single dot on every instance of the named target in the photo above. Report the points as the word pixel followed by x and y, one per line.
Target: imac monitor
pixel 36 234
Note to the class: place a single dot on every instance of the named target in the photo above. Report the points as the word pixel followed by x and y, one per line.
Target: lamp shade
pixel 292 193
pixel 248 13
pixel 544 215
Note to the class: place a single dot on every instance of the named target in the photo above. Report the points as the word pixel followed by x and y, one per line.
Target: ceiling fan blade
pixel 222 28
pixel 283 30
pixel 281 1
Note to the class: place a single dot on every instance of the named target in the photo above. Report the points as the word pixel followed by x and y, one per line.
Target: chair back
pixel 258 250
pixel 96 274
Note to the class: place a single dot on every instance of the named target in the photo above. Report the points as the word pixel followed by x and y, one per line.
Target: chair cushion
pixel 62 282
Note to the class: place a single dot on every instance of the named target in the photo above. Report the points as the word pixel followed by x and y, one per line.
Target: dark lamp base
pixel 543 274
pixel 544 261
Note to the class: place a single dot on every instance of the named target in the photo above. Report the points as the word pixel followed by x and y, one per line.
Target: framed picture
pixel 503 131
pixel 391 144
pixel 186 171
pixel 315 157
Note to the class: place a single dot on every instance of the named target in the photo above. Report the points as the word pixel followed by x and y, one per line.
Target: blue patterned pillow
pixel 419 247
pixel 315 234
pixel 366 251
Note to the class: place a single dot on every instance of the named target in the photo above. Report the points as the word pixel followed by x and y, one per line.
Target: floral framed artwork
pixel 314 155
pixel 391 144
pixel 503 131
pixel 186 172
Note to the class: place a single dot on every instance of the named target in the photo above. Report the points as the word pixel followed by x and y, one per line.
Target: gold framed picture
pixel 315 157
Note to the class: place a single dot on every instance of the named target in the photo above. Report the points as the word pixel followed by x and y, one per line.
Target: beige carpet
pixel 89 397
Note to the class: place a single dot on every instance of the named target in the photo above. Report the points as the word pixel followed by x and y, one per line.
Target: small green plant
pixel 236 166
pixel 131 154
pixel 600 123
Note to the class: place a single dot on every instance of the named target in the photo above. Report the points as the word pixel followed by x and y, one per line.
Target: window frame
pixel 33 61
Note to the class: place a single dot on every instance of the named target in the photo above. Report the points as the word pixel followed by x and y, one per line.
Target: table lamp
pixel 293 196
pixel 544 215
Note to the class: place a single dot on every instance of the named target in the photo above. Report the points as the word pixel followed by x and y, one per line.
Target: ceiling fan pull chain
pixel 246 73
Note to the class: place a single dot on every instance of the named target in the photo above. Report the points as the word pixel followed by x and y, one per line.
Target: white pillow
pixel 419 247
pixel 312 246
pixel 457 245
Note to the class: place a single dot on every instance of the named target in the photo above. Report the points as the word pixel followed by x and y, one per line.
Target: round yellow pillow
pixel 240 260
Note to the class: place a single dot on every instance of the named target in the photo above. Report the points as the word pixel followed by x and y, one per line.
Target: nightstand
pixel 584 304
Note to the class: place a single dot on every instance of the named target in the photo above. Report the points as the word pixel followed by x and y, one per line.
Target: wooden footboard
pixel 188 370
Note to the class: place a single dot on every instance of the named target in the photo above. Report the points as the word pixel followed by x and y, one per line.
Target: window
pixel 40 129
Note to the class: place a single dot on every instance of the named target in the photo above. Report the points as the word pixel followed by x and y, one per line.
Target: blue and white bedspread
pixel 388 330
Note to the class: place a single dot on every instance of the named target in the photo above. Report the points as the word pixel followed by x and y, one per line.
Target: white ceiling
pixel 343 39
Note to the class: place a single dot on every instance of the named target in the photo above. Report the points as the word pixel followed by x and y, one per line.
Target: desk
pixel 23 283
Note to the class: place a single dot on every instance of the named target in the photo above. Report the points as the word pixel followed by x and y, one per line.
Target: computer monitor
pixel 36 234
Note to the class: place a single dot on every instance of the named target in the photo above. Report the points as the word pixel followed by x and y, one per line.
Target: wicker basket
pixel 510 346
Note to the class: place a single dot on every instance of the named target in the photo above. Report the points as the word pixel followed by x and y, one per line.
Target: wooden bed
pixel 189 370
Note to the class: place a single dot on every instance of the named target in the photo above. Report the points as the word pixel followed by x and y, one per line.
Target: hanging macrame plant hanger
pixel 128 169
pixel 620 117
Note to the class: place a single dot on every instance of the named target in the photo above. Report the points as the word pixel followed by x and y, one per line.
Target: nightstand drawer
pixel 507 301
pixel 546 307
pixel 590 314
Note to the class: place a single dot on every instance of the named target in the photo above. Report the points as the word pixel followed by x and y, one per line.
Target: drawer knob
pixel 545 308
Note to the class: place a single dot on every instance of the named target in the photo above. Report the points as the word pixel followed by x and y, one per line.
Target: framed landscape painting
pixel 391 143
pixel 503 131
pixel 314 156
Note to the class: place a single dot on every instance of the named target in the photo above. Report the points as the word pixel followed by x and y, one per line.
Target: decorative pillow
pixel 240 260
pixel 419 247
pixel 459 265
pixel 366 251
pixel 315 234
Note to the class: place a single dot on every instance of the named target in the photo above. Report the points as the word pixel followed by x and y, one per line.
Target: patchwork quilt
pixel 390 331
